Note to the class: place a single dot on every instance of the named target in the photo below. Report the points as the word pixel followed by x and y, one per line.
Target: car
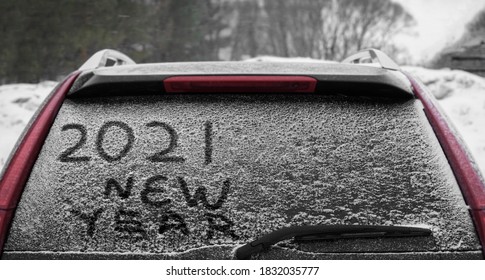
pixel 241 160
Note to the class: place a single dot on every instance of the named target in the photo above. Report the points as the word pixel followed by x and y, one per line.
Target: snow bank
pixel 447 83
pixel 18 102
pixel 462 97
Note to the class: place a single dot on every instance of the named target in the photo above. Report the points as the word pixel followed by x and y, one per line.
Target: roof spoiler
pixel 106 58
pixel 372 57
pixel 153 78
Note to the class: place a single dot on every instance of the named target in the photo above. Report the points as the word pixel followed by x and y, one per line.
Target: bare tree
pixel 247 25
pixel 477 25
pixel 295 27
pixel 350 25
pixel 325 29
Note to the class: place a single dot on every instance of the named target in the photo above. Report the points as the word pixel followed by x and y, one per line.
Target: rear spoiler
pixel 346 78
pixel 373 57
pixel 106 58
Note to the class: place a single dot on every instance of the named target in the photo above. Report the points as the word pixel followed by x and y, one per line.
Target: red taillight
pixel 5 218
pixel 468 178
pixel 240 84
pixel 18 169
pixel 479 219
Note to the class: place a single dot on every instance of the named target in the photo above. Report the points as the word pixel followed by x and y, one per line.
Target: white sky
pixel 438 23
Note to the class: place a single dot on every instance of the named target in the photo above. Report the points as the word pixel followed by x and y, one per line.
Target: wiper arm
pixel 323 232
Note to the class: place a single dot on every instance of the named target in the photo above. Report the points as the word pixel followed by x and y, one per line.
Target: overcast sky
pixel 439 22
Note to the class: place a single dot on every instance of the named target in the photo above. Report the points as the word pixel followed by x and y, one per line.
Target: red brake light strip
pixel 240 84
pixel 5 218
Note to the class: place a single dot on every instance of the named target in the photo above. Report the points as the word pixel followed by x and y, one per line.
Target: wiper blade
pixel 323 232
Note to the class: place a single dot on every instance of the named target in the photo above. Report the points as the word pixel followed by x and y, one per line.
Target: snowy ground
pixel 462 96
pixel 18 102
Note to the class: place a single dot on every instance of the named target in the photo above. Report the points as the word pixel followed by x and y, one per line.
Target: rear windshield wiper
pixel 325 232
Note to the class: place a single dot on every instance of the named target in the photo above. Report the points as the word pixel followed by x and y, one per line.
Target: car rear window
pixel 200 174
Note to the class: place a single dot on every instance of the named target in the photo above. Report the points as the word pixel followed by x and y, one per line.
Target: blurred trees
pixel 477 26
pixel 44 39
pixel 325 29
pixel 471 43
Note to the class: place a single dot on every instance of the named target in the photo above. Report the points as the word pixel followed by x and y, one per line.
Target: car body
pixel 222 160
